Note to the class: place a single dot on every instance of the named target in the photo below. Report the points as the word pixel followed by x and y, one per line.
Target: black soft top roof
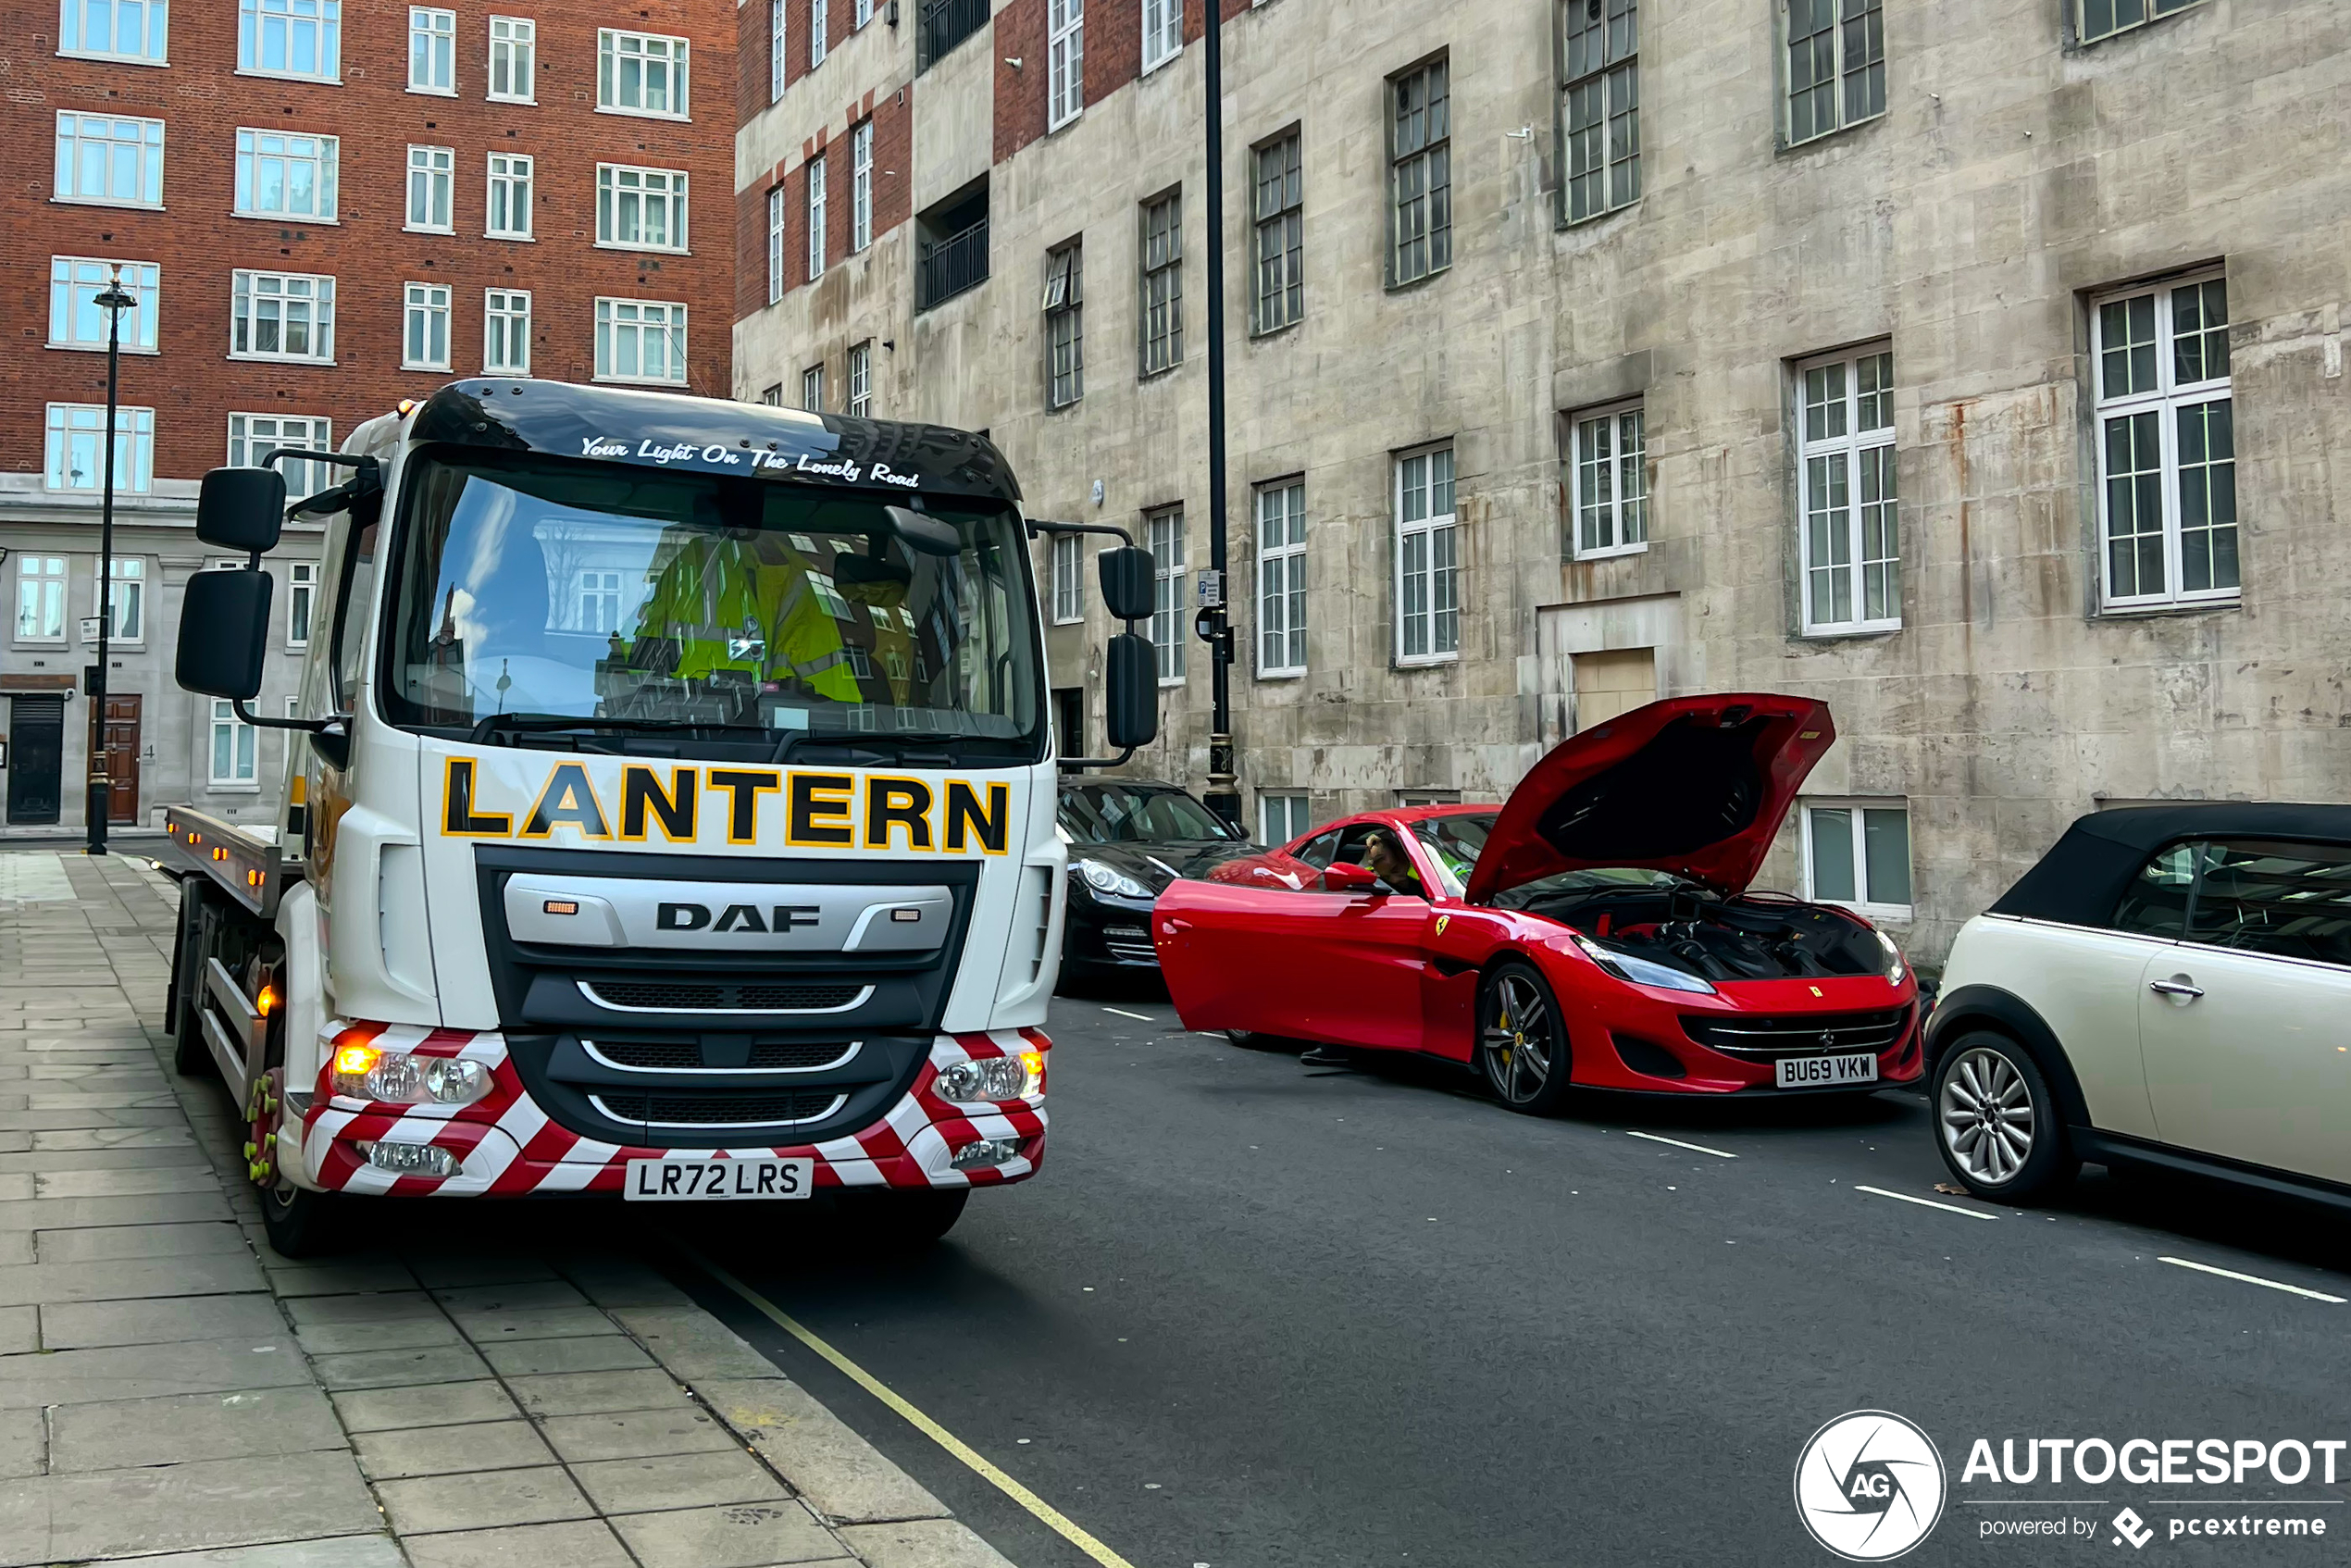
pixel 711 436
pixel 2082 879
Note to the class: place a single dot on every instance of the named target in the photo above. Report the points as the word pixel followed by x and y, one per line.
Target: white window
pixel 1421 174
pixel 432 51
pixel 282 176
pixel 817 31
pixel 640 73
pixel 232 745
pixel 862 13
pixel 76 436
pixel 1428 601
pixel 861 381
pixel 1281 819
pixel 432 173
pixel 423 340
pixel 815 219
pixel 116 30
pixel 130 607
pixel 1849 533
pixel 595 601
pixel 641 341
pixel 1065 61
pixel 1171 620
pixel 508 215
pixel 302 591
pixel 1163 32
pixel 641 210
pixel 2102 18
pixel 861 187
pixel 775 243
pixel 298 38
pixel 812 389
pixel 108 161
pixel 1069 578
pixel 1162 260
pixel 1603 106
pixel 1065 326
pixel 253 437
pixel 505 332
pixel 773 397
pixel 2167 445
pixel 1609 477
pixel 1858 852
pixel 775 51
pixel 281 316
pixel 40 598
pixel 514 59
pixel 76 320
pixel 1281 579
pixel 1835 65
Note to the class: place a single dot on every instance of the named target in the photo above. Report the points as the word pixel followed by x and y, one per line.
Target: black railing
pixel 946 23
pixel 953 265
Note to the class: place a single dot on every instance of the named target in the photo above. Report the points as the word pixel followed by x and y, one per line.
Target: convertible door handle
pixel 2175 988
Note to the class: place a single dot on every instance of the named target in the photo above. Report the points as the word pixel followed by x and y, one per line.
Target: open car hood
pixel 1696 786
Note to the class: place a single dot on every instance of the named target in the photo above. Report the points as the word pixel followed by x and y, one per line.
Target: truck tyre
pixel 904 1222
pixel 191 1053
pixel 299 1221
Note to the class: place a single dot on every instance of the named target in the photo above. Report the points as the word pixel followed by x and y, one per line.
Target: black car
pixel 1128 838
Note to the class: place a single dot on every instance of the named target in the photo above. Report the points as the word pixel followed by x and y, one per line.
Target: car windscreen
pixel 643 598
pixel 1454 843
pixel 1119 814
pixel 1566 885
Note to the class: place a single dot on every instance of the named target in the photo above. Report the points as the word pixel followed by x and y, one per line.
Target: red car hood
pixel 1696 786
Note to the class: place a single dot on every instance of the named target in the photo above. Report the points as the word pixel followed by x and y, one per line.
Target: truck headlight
pixel 1110 880
pixel 1641 970
pixel 989 1079
pixel 1894 966
pixel 395 1077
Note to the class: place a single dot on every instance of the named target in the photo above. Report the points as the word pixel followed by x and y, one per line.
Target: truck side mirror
pixel 1131 696
pixel 224 626
pixel 1126 575
pixel 242 509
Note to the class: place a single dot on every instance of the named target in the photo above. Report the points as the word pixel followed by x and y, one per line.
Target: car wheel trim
pixel 1988 1118
pixel 1519 1041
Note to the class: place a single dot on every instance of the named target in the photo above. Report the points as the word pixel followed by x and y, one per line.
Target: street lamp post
pixel 114 302
pixel 1222 794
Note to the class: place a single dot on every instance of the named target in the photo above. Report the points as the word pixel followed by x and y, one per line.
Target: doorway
pixel 36 756
pixel 120 745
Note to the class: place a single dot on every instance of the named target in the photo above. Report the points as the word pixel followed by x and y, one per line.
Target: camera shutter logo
pixel 1870 1486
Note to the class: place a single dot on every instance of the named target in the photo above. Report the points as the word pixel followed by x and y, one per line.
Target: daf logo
pixel 736 918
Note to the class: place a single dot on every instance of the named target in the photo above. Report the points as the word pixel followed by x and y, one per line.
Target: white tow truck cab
pixel 671 815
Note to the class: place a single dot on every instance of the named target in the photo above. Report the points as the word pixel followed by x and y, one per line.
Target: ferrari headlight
pixel 1641 970
pixel 1110 880
pixel 1895 968
pixel 989 1079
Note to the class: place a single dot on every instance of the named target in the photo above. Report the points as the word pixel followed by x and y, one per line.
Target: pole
pixel 101 778
pixel 1222 796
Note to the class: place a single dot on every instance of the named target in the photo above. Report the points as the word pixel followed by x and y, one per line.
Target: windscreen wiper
pixel 535 724
pixel 866 741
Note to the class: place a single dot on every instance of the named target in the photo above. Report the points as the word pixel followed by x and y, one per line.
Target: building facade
pixel 321 207
pixel 1582 352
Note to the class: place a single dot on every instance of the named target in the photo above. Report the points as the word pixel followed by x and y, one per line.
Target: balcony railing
pixel 946 23
pixel 953 265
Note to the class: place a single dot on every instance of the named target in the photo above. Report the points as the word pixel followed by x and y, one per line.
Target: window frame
pixel 1852 451
pixel 144 279
pixel 417 298
pixel 610 193
pixel 1432 524
pixel 2078 18
pixel 498 305
pixel 134 437
pixel 1170 21
pixel 1840 81
pixel 609 53
pixel 524 182
pixel 1297 811
pixel 327 20
pixel 861 185
pixel 608 328
pixel 1151 341
pixel 1856 806
pixel 819 21
pixel 1064 62
pixel 1067 570
pixel 812 388
pixel 130 572
pixel 778 39
pixel 440 178
pixel 519 47
pixel 859 382
pixel 1430 159
pixel 149 30
pixel 1611 415
pixel 301 588
pixel 2166 399
pixel 53 598
pixel 1065 325
pixel 321 301
pixel 1615 76
pixel 1285 225
pixel 317 436
pixel 1288 557
pixel 326 174
pixel 245 750
pixel 1169 571
pixel 150 147
pixel 777 280
pixel 426 24
pixel 812 213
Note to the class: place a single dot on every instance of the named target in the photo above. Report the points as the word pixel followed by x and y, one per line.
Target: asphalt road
pixel 1256 1314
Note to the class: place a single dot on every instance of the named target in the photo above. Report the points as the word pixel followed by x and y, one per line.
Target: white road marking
pixel 1926 1202
pixel 2251 1279
pixel 1718 1153
pixel 1138 1018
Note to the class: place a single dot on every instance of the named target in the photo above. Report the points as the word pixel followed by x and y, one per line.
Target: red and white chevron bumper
pixel 506 1146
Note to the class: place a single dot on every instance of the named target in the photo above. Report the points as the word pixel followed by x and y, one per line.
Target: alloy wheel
pixel 1518 1042
pixel 1987 1113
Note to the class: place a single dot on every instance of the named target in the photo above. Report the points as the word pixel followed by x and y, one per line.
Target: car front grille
pixel 1820 1034
pixel 723 1108
pixel 1130 943
pixel 670 996
pixel 686 1056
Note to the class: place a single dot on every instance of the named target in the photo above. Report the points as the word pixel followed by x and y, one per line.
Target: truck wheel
pixel 1996 1124
pixel 191 1055
pixel 299 1221
pixel 904 1222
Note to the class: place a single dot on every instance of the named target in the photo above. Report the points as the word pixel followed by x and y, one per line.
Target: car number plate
pixel 680 1181
pixel 1824 1072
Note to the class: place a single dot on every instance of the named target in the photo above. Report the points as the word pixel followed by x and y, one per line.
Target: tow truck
pixel 669 814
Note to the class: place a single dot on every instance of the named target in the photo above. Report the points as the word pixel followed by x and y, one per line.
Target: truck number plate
pixel 1817 1072
pixel 680 1181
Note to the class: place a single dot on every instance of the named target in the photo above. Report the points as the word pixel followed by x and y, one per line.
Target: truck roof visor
pixel 927 534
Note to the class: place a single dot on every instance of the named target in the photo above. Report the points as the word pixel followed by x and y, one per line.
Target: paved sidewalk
pixel 174 1392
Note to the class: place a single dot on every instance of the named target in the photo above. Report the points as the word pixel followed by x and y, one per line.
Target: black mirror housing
pixel 1131 697
pixel 242 509
pixel 927 534
pixel 1126 573
pixel 224 631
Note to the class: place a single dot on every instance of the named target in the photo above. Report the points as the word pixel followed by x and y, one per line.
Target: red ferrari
pixel 1596 930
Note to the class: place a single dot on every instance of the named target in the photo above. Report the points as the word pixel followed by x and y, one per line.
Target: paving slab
pixel 449 1404
pixel 584 1543
pixel 839 1474
pixel 542 1323
pixel 602 1353
pixel 20 1330
pixel 137 1371
pixel 636 1434
pixel 179 1175
pixel 221 1275
pixel 685 1480
pixel 333 1551
pixel 23 1443
pixel 59 1519
pixel 923 1543
pixel 78 1326
pixel 406 1332
pixel 63 1213
pixel 692 1344
pixel 481 1500
pixel 587 1393
pixel 739 1535
pixel 115 1243
pixel 442 1450
pixel 387 1369
pixel 178 1429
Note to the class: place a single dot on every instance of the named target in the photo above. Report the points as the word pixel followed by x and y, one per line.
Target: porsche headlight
pixel 1641 970
pixel 1895 968
pixel 1110 880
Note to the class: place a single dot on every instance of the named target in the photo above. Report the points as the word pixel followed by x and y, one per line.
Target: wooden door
pixel 121 751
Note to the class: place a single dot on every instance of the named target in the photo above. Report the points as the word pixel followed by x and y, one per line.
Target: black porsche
pixel 1128 838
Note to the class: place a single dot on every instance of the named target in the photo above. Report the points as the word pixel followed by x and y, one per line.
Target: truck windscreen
pixel 672 601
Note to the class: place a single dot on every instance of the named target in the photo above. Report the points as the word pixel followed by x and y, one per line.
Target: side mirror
pixel 1341 877
pixel 927 534
pixel 1127 574
pixel 1130 698
pixel 224 627
pixel 242 509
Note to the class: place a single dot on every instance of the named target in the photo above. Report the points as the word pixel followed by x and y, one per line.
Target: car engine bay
pixel 1752 937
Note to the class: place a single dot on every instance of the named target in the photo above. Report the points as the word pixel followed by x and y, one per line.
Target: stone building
pixel 1590 350
pixel 321 208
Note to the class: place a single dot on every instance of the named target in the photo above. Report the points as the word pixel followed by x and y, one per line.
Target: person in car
pixel 1385 858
